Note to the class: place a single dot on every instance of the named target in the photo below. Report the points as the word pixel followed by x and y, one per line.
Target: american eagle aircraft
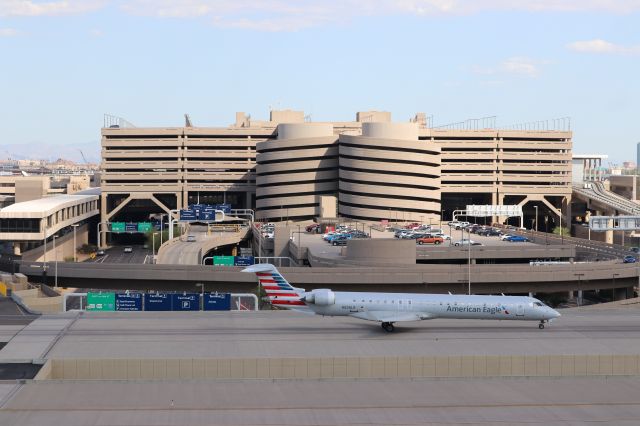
pixel 389 308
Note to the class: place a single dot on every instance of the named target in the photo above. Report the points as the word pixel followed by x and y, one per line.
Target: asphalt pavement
pixel 116 254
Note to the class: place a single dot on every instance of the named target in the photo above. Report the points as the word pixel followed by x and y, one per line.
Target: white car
pixel 466 242
pixel 128 249
pixel 442 235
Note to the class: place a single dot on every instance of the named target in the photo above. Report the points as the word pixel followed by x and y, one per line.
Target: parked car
pixel 340 242
pixel 312 228
pixel 337 237
pixel 635 249
pixel 443 236
pixel 505 236
pixel 466 242
pixel 517 239
pixel 100 252
pixel 430 240
pixel 462 225
pixel 490 232
pixel 128 249
pixel 629 259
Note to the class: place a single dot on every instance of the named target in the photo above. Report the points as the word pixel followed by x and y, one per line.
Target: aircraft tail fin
pixel 279 291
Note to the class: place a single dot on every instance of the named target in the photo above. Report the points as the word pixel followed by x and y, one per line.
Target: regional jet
pixel 389 308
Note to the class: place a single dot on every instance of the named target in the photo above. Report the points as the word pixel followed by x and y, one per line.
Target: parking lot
pixel 316 244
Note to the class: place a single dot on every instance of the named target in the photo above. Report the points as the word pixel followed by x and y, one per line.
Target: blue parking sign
pixel 186 302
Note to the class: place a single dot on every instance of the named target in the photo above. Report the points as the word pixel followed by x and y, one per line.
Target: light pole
pixel 561 235
pixel 55 252
pixel 579 299
pixel 536 207
pixel 613 289
pixel 469 259
pixel 153 246
pixel 75 257
pixel 201 285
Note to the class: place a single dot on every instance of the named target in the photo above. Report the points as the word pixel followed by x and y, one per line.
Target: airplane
pixel 389 308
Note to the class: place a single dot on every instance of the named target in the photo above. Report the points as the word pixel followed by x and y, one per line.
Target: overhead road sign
pixel 145 227
pixel 223 260
pixel 244 261
pixel 188 215
pixel 101 302
pixel 614 223
pixel 216 302
pixel 128 302
pixel 117 227
pixel 185 302
pixel 157 302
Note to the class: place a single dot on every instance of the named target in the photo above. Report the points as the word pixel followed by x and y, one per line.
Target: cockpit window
pixel 538 304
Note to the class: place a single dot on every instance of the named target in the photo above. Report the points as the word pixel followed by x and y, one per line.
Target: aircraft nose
pixel 555 313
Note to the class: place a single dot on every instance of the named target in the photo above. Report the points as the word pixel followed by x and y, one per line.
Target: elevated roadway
pixel 604 200
pixel 486 278
pixel 180 251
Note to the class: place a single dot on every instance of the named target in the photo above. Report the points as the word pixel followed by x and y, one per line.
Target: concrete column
pixel 608 237
pixel 102 235
pixel 580 299
pixel 248 199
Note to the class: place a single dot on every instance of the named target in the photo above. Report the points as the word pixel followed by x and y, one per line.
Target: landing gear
pixel 541 325
pixel 388 327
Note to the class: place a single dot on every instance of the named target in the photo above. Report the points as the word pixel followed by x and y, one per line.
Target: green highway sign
pixel 223 260
pixel 117 226
pixel 101 301
pixel 144 227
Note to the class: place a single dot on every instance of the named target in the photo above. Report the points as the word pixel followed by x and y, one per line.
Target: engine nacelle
pixel 320 297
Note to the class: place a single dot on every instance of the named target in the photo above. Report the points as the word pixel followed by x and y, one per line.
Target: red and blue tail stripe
pixel 279 291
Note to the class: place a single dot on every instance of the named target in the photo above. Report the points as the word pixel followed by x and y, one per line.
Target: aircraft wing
pixel 387 316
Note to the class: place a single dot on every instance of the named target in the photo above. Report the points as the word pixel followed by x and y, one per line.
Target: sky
pixel 64 64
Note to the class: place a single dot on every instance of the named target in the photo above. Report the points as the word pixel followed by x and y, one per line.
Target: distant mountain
pixel 51 152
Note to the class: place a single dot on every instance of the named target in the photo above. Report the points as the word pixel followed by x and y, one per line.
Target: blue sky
pixel 65 63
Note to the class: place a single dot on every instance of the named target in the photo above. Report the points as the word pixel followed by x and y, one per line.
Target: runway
pixel 290 334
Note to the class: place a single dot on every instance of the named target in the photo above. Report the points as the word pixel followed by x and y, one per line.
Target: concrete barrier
pixel 342 367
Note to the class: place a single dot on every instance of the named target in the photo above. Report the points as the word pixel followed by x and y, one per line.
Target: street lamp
pixel 536 207
pixel 469 259
pixel 55 252
pixel 153 246
pixel 579 300
pixel 613 289
pixel 561 234
pixel 75 248
pixel 201 285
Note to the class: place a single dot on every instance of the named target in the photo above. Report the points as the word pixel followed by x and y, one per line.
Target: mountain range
pixel 52 152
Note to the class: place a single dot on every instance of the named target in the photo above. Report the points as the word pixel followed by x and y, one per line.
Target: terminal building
pixel 374 169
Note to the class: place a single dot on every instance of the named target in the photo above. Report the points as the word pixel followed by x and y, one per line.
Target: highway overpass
pixel 507 278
